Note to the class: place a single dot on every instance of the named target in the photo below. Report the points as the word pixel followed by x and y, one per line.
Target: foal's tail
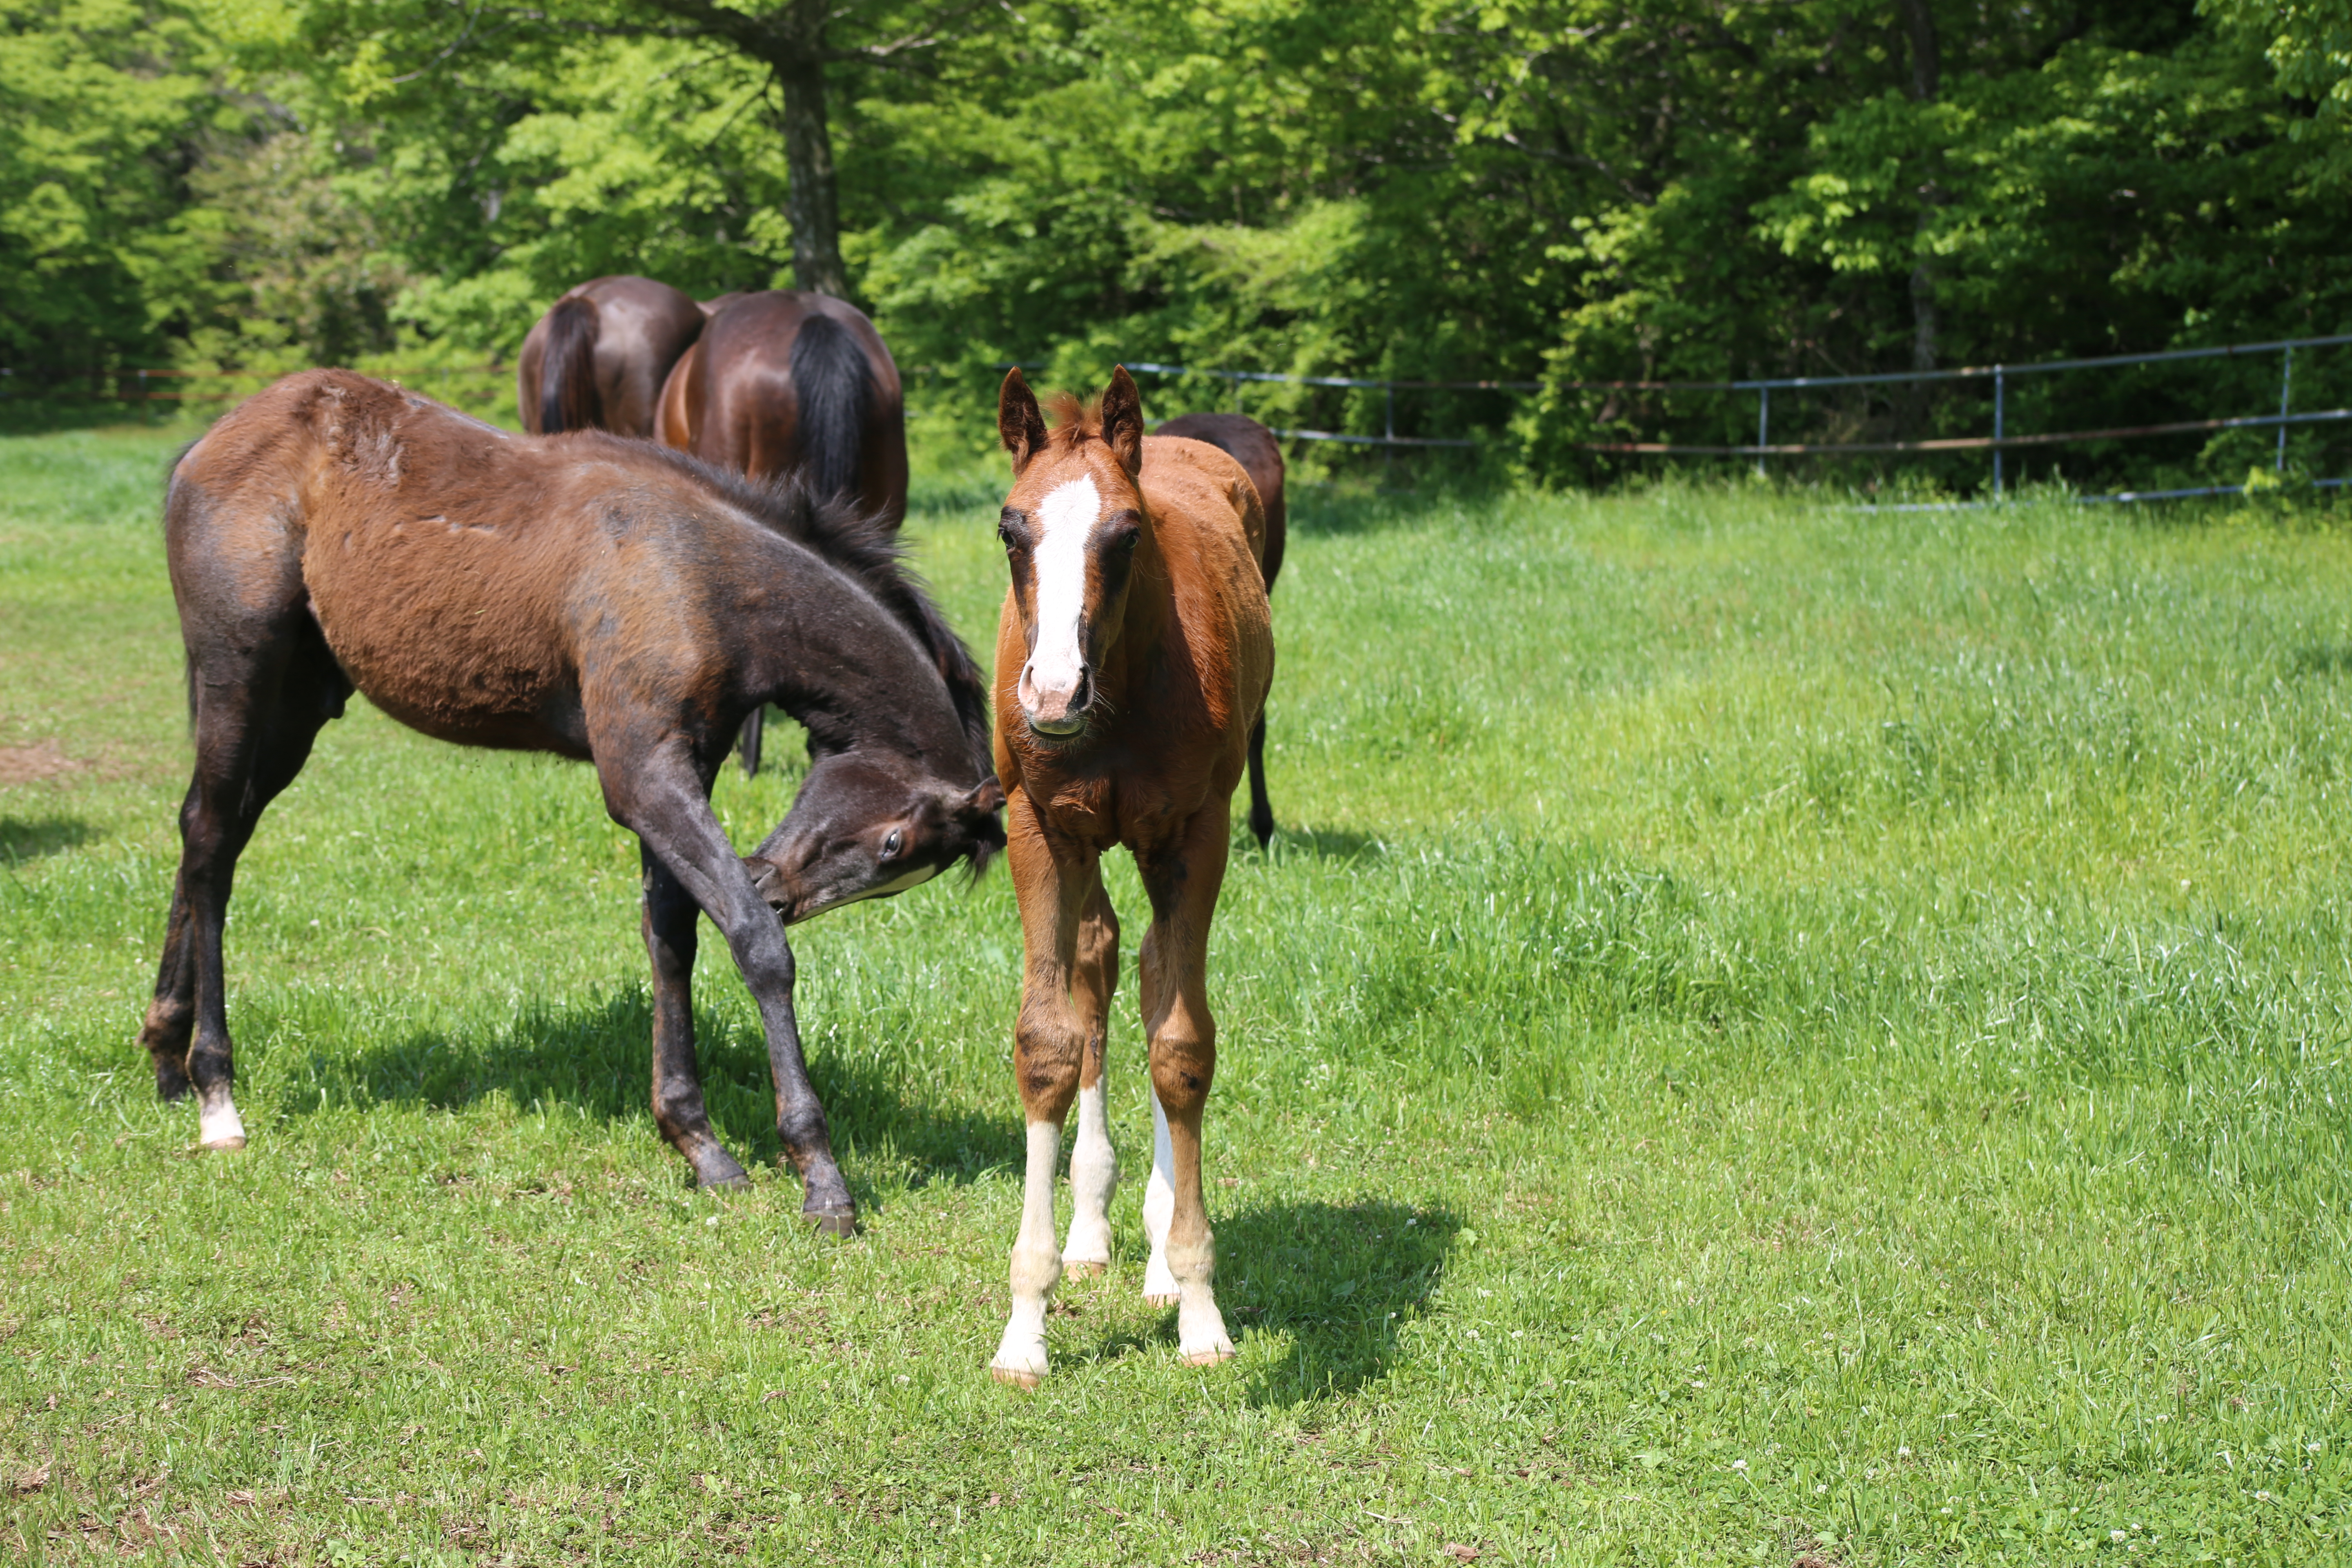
pixel 567 373
pixel 836 391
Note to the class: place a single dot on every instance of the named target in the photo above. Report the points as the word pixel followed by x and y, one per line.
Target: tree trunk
pixel 812 203
pixel 1926 74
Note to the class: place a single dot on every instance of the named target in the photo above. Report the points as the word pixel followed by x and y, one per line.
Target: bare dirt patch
pixel 34 763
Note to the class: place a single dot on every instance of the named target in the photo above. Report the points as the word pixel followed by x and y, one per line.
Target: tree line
pixel 1558 190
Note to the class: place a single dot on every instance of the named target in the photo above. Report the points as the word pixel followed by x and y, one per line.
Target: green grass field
pixel 1771 1034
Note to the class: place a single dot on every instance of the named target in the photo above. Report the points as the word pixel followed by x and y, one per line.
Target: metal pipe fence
pixel 1997 444
pixel 139 385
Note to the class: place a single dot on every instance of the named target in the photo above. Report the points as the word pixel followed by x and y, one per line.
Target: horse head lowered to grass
pixel 583 594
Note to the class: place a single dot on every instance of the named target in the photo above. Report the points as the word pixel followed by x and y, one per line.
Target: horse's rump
pixel 567 377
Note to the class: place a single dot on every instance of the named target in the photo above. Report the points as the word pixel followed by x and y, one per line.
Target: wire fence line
pixel 2000 440
pixel 151 384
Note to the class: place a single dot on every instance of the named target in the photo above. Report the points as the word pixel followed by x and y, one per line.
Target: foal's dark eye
pixel 891 845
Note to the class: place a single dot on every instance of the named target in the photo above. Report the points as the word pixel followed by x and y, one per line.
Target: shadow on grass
pixel 24 839
pixel 1338 1280
pixel 596 1058
pixel 2321 658
pixel 1326 843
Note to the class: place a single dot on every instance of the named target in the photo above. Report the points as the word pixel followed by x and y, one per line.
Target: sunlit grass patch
pixel 1766 1032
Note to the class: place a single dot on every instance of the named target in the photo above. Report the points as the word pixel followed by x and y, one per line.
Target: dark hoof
pixel 717 1169
pixel 172 1081
pixel 1262 829
pixel 836 1222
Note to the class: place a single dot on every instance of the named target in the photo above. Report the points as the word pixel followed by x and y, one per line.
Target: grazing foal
pixel 595 597
pixel 1133 656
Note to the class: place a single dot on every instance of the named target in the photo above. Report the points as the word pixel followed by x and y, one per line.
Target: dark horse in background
pixel 584 594
pixel 790 383
pixel 1253 446
pixel 596 359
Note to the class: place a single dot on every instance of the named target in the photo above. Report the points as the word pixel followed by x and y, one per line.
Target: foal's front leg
pixel 1094 1164
pixel 1182 880
pixel 657 793
pixel 1055 881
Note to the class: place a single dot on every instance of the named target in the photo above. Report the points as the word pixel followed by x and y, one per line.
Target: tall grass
pixel 1768 1031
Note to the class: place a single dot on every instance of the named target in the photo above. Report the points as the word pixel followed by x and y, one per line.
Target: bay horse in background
pixel 585 595
pixel 1133 657
pixel 1253 446
pixel 785 381
pixel 596 361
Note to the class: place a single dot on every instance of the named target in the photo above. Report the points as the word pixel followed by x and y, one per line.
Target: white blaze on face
pixel 1065 520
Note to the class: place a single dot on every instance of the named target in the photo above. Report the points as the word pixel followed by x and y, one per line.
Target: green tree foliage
pixel 1565 191
pixel 103 104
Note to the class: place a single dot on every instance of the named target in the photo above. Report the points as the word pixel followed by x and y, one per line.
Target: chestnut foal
pixel 1133 656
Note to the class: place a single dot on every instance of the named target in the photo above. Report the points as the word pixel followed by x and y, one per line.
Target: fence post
pixel 2286 389
pixel 2000 407
pixel 146 410
pixel 1763 426
pixel 1388 429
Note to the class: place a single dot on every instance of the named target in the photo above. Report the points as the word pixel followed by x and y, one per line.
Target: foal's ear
pixel 1018 424
pixel 984 799
pixel 1122 420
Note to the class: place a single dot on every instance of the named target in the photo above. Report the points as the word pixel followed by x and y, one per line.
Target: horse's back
pixel 453 569
pixel 1253 446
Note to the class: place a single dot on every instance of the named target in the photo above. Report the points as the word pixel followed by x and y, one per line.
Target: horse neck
pixel 851 673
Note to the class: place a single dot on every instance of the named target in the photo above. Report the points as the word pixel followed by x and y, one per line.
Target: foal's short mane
pixel 869 551
pixel 1073 421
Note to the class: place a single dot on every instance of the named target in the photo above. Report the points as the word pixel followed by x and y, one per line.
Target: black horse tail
pixel 567 369
pixel 834 392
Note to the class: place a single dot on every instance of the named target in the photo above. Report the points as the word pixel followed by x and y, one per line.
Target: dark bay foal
pixel 583 594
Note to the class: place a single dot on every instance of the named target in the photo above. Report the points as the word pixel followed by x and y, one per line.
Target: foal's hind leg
pixel 1094 1164
pixel 669 924
pixel 755 726
pixel 1261 817
pixel 258 708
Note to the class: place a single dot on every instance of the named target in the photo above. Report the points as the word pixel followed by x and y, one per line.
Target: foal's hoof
pixel 1015 1377
pixel 218 1126
pixel 1209 1357
pixel 1154 1298
pixel 716 1170
pixel 838 1222
pixel 1085 1268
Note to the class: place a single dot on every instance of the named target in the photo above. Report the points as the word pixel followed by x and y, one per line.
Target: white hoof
pixel 218 1127
pixel 1159 1285
pixel 1200 1337
pixel 1087 1251
pixel 1020 1360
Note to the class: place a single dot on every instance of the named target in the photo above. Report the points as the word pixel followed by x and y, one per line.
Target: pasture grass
pixel 1769 1035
